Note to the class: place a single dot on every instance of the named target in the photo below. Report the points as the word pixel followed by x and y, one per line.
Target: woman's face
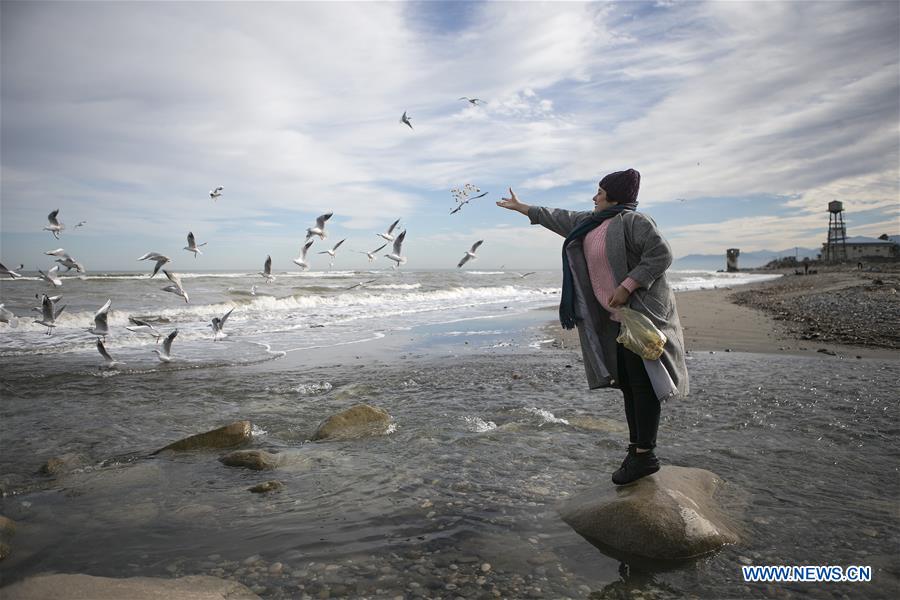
pixel 600 200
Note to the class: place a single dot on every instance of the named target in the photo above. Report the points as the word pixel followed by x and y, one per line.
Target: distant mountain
pixel 746 260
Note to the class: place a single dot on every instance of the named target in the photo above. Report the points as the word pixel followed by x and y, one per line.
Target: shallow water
pixel 487 443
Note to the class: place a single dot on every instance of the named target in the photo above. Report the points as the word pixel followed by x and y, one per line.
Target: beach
pixel 492 429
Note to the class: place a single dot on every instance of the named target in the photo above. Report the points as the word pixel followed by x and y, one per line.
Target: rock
pixel 223 437
pixel 258 460
pixel 668 515
pixel 84 587
pixel 4 552
pixel 357 421
pixel 7 527
pixel 59 465
pixel 268 486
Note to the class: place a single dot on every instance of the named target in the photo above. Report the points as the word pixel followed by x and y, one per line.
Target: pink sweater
pixel 602 280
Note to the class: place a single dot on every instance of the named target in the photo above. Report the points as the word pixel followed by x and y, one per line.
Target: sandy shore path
pixel 713 321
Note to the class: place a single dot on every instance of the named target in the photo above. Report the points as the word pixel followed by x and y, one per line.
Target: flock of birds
pixel 50 312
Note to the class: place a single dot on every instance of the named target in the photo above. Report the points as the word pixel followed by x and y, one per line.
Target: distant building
pixel 731 259
pixel 860 246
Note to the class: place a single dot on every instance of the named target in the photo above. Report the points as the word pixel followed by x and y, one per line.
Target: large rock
pixel 87 587
pixel 59 465
pixel 223 437
pixel 668 515
pixel 258 460
pixel 357 421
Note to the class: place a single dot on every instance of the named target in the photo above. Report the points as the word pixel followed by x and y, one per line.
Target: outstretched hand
pixel 512 203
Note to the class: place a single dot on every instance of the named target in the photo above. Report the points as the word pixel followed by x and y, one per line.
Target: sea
pixel 492 429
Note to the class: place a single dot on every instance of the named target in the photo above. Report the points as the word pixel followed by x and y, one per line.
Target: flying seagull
pixel 405 119
pixel 65 260
pixel 176 287
pixel 101 328
pixel 48 314
pixel 50 276
pixel 332 251
pixel 144 327
pixel 218 325
pixel 267 270
pixel 465 201
pixel 55 227
pixel 165 355
pixel 371 254
pixel 7 316
pixel 300 261
pixel 80 224
pixel 524 275
pixel 362 283
pixel 159 258
pixel 387 234
pixel 53 301
pixel 319 229
pixel 395 254
pixel 470 254
pixel 473 101
pixel 110 362
pixel 216 192
pixel 9 272
pixel 192 244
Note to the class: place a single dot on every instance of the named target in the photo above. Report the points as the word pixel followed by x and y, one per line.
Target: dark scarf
pixel 567 316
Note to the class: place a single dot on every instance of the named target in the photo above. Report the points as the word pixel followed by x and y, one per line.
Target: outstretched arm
pixel 557 220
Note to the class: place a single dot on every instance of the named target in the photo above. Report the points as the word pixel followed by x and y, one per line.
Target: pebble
pixel 276 568
pixel 485 567
pixel 744 560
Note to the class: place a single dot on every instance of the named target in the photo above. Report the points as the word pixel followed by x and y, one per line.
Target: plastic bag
pixel 640 335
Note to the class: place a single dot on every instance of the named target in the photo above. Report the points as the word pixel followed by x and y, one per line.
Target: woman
pixel 614 256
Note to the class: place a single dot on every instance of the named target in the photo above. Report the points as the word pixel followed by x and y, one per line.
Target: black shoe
pixel 636 465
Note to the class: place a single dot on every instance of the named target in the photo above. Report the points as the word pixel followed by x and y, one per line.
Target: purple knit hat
pixel 622 186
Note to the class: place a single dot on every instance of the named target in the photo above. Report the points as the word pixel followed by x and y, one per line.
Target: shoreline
pixel 772 317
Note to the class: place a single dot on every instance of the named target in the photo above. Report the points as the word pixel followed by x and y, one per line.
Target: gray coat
pixel 635 249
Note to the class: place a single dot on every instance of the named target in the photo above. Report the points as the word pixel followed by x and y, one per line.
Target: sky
pixel 744 119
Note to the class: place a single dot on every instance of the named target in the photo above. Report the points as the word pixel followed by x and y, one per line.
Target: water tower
pixel 836 247
pixel 731 259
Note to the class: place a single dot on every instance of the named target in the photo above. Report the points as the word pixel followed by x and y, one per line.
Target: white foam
pixel 479 425
pixel 546 415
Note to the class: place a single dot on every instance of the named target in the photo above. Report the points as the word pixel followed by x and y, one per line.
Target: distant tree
pixel 884 237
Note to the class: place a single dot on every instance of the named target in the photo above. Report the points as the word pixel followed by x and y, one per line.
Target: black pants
pixel 641 404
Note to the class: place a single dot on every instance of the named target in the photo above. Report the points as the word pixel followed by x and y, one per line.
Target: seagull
pixel 387 234
pixel 473 101
pixel 48 315
pixel 53 301
pixel 395 254
pixel 50 276
pixel 192 245
pixel 470 254
pixel 253 290
pixel 80 224
pixel 159 258
pixel 218 325
pixel 165 355
pixel 405 119
pixel 7 316
pixel 70 263
pixel 216 192
pixel 100 328
pixel 144 327
pixel 524 275
pixel 65 260
pixel 300 261
pixel 9 272
pixel 267 270
pixel 110 362
pixel 176 288
pixel 466 201
pixel 55 226
pixel 362 283
pixel 319 229
pixel 371 254
pixel 333 250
